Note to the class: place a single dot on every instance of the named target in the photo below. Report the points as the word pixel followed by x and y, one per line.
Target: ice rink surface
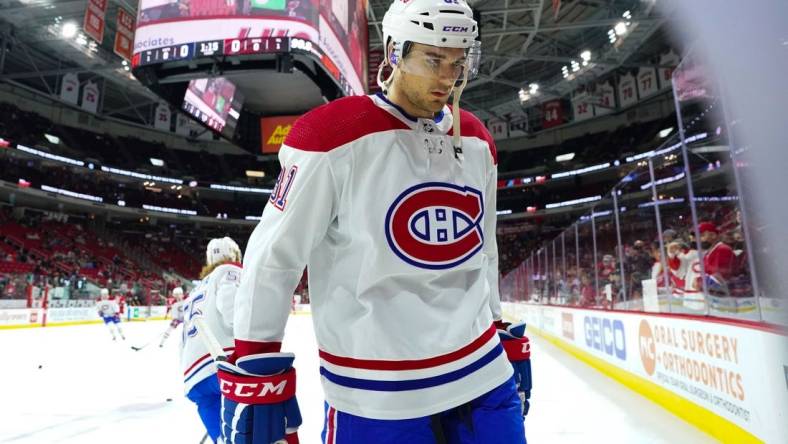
pixel 75 385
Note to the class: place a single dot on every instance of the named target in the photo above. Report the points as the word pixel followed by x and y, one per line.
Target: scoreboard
pixel 212 48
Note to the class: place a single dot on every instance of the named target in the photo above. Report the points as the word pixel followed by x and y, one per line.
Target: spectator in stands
pixel 607 267
pixel 669 236
pixel 718 257
pixel 587 291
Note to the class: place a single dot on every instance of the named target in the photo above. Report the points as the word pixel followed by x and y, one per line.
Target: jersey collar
pixel 440 124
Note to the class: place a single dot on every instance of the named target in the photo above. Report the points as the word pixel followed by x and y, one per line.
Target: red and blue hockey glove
pixel 258 399
pixel 518 350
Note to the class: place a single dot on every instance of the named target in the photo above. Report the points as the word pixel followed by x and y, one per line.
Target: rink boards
pixel 76 315
pixel 728 378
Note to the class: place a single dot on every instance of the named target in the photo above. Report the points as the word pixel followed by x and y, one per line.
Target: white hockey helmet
pixel 177 292
pixel 222 249
pixel 441 23
pixel 104 293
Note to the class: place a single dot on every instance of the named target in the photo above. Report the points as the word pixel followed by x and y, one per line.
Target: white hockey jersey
pixel 107 309
pixel 176 310
pixel 399 238
pixel 212 299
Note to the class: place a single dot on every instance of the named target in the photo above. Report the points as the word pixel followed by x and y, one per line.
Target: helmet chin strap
pixel 455 113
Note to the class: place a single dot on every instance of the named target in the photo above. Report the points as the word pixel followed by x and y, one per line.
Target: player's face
pixel 427 76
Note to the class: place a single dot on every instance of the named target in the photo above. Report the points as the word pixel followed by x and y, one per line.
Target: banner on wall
pixel 518 126
pixel 124 35
pixel 94 21
pixel 187 127
pixel 582 107
pixel 90 97
pixel 163 117
pixel 69 88
pixel 627 90
pixel 552 114
pixel 499 129
pixel 606 99
pixel 672 60
pixel 647 82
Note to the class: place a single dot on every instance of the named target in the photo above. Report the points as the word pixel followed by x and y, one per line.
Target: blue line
pixel 413 384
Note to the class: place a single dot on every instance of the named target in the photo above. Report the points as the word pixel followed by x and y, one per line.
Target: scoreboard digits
pixel 211 48
pixel 257 45
pixel 167 54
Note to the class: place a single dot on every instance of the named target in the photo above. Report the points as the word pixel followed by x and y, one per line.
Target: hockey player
pixel 110 312
pixel 176 310
pixel 212 300
pixel 390 202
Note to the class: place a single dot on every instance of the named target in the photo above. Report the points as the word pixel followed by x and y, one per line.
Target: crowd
pixel 575 278
pixel 72 254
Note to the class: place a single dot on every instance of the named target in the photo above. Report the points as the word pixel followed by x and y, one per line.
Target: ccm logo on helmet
pixel 436 225
pixel 455 29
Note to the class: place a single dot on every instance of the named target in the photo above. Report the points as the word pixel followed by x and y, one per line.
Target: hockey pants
pixel 493 418
pixel 208 398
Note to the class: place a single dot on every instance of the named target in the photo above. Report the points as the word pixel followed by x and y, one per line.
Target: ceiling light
pixel 665 133
pixel 52 139
pixel 585 55
pixel 565 157
pixel 156 162
pixel 254 173
pixel 533 88
pixel 69 30
pixel 621 28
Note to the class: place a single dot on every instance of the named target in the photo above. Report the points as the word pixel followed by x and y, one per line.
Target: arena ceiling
pixel 523 41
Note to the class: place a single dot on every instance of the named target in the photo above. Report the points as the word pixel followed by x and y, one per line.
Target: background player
pixel 394 214
pixel 212 300
pixel 176 311
pixel 110 312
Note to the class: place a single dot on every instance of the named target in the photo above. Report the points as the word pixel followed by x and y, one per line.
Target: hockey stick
pixel 147 343
pixel 202 441
pixel 209 340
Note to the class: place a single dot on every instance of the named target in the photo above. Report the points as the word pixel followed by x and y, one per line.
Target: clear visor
pixel 448 63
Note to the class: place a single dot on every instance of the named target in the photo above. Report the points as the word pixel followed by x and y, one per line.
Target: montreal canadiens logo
pixel 436 225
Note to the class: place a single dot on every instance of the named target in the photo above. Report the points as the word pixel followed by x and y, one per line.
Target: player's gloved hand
pixel 258 399
pixel 518 350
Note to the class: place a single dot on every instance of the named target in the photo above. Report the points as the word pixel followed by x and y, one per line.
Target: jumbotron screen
pixel 215 102
pixel 333 31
